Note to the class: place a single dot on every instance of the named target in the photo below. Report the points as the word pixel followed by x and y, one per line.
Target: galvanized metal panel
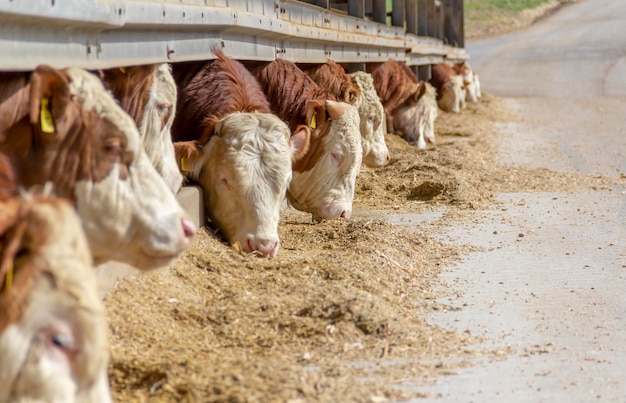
pixel 108 33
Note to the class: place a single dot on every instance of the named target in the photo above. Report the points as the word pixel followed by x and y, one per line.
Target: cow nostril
pixel 343 214
pixel 189 229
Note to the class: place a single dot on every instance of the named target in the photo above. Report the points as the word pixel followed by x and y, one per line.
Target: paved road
pixel 556 297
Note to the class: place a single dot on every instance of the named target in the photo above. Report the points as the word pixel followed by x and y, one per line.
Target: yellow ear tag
pixel 9 278
pixel 313 121
pixel 123 70
pixel 45 116
pixel 183 165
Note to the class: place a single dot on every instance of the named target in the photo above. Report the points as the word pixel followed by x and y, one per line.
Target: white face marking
pixel 327 190
pixel 157 139
pixel 143 221
pixel 372 122
pixel 452 95
pixel 245 174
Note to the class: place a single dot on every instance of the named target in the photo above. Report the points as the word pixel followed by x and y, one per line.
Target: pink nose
pixel 263 247
pixel 344 214
pixel 189 229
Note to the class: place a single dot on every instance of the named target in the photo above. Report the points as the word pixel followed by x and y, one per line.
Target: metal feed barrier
pixel 98 34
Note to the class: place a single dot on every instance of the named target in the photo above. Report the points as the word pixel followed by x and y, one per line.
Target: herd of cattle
pixel 90 163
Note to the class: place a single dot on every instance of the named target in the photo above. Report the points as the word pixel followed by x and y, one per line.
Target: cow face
pixel 52 323
pixel 89 148
pixel 156 126
pixel 325 187
pixel 245 172
pixel 415 119
pixel 452 97
pixel 372 122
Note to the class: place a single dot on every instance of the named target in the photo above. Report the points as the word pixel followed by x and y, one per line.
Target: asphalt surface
pixel 548 288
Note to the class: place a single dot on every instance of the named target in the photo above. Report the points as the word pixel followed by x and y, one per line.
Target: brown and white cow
pixel 449 86
pixel 324 179
pixel 408 102
pixel 62 126
pixel 148 94
pixel 469 81
pixel 52 323
pixel 348 88
pixel 372 122
pixel 239 153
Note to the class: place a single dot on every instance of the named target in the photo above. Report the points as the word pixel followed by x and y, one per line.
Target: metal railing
pixel 110 33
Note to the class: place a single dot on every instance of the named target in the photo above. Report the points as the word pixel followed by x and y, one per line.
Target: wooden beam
pixel 410 7
pixel 356 8
pixel 379 12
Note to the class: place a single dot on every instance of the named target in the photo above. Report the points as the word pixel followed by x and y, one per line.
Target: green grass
pixel 505 6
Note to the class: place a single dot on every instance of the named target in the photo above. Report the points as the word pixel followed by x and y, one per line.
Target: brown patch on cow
pixel 296 99
pixel 83 145
pixel 441 74
pixel 8 181
pixel 335 80
pixel 131 87
pixel 21 235
pixel 394 85
pixel 208 91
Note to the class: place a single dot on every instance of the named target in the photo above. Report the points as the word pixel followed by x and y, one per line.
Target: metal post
pixel 422 17
pixel 410 6
pixel 424 72
pixel 356 8
pixel 379 13
pixel 397 13
pixel 453 22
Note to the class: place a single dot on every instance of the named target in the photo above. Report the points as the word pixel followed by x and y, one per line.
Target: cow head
pixel 52 323
pixel 156 127
pixel 76 136
pixel 148 94
pixel 372 126
pixel 415 119
pixel 244 170
pixel 324 180
pixel 452 96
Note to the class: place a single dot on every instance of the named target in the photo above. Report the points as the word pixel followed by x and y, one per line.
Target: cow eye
pixel 163 109
pixel 338 157
pixel 61 340
pixel 113 147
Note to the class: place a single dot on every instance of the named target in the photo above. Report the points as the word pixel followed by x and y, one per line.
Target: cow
pixel 324 179
pixel 477 85
pixel 332 77
pixel 408 102
pixel 469 81
pixel 372 122
pixel 63 127
pixel 230 143
pixel 449 86
pixel 148 94
pixel 52 323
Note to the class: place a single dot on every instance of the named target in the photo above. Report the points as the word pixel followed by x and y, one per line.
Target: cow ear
pixel 315 114
pixel 299 142
pixel 420 90
pixel 353 97
pixel 188 155
pixel 335 109
pixel 49 100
